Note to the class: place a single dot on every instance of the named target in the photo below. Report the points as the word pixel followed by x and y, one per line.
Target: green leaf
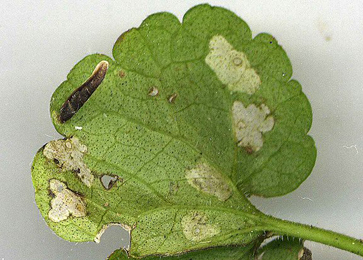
pixel 224 253
pixel 284 248
pixel 186 121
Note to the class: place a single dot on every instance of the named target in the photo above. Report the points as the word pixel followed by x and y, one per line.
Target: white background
pixel 40 41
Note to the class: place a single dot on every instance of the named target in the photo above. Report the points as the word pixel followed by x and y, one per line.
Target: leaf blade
pixel 162 121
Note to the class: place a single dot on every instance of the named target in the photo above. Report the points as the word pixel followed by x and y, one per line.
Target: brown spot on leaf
pixel 249 149
pixel 77 99
pixel 122 74
pixel 306 255
pixel 171 98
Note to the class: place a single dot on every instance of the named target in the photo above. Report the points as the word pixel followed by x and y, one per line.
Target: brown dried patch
pixel 121 74
pixel 305 254
pixel 171 98
pixel 77 99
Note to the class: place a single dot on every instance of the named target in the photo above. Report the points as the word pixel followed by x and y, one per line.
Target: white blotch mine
pixel 232 67
pixel 69 156
pixel 250 123
pixel 65 202
pixel 196 228
pixel 208 180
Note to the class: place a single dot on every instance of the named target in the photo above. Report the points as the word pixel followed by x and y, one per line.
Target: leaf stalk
pixel 311 233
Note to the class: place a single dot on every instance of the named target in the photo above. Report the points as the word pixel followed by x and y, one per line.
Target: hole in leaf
pixel 108 181
pixel 114 232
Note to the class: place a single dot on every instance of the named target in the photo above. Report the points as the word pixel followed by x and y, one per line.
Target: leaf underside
pixel 282 248
pixel 224 253
pixel 162 124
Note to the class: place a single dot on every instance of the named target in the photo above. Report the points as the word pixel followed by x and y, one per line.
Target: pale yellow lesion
pixel 65 202
pixel 69 156
pixel 249 124
pixel 231 66
pixel 196 227
pixel 207 179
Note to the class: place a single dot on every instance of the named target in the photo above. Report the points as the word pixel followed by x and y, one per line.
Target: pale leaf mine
pixel 69 156
pixel 65 202
pixel 205 178
pixel 196 228
pixel 250 123
pixel 231 66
